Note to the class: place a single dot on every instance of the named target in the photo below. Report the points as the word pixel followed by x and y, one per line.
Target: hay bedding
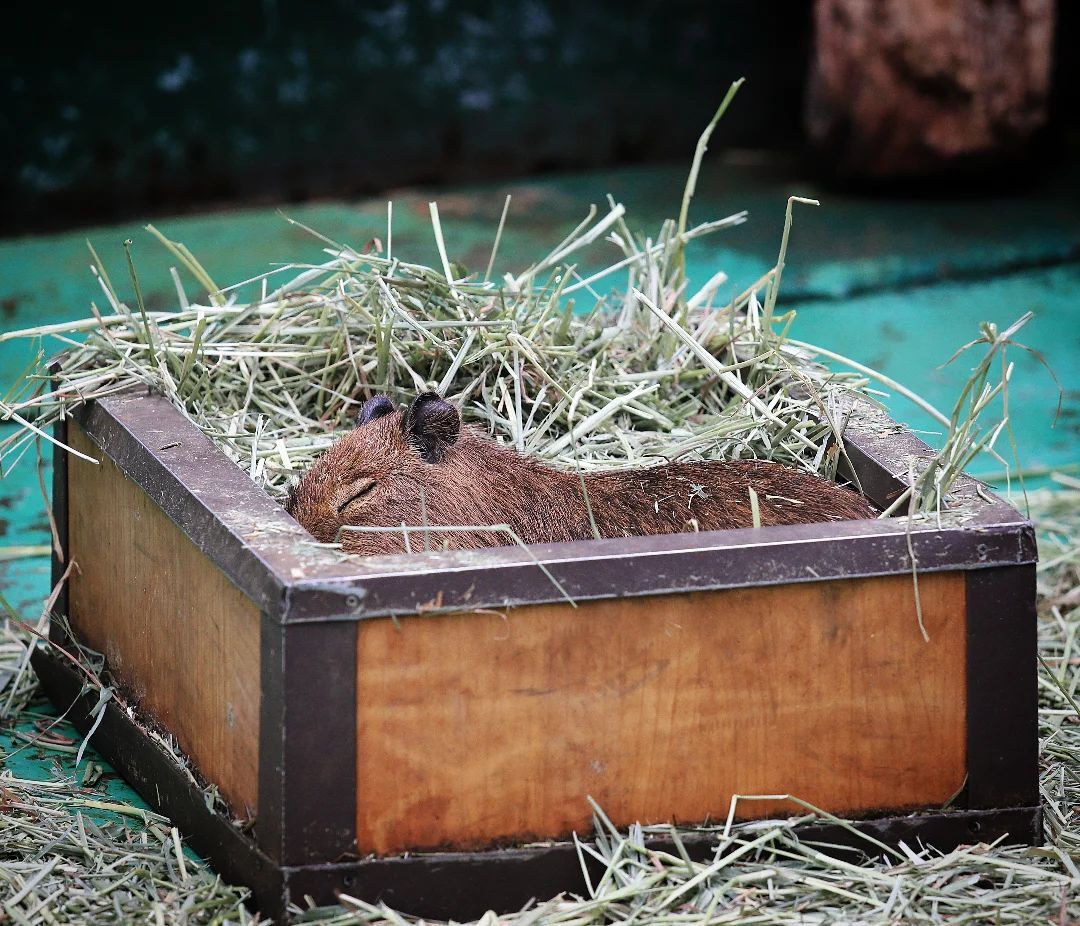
pixel 546 360
pixel 649 372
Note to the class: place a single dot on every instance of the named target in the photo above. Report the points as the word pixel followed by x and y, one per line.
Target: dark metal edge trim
pixel 307 810
pixel 1003 709
pixel 204 493
pixel 270 814
pixel 444 885
pixel 463 886
pixel 880 452
pixel 318 699
pixel 590 570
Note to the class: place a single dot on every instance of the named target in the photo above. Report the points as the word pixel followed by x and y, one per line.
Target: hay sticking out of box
pixel 647 372
pixel 546 360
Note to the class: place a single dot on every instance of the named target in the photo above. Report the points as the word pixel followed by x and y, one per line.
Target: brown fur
pixel 475 481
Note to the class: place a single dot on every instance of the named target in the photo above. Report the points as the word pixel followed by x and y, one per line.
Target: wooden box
pixel 408 729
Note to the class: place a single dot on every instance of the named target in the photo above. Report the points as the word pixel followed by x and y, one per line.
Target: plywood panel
pixel 178 635
pixel 478 727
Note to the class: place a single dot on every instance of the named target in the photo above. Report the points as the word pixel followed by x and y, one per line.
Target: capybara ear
pixel 431 424
pixel 375 407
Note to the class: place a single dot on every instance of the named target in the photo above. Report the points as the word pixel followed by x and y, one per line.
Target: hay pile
pixel 551 363
pixel 647 372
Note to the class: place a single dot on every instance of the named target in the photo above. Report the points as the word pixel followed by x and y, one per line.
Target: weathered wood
pixel 902 88
pixel 483 727
pixel 177 634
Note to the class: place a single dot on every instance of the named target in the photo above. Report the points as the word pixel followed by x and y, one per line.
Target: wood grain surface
pixel 182 640
pixel 484 727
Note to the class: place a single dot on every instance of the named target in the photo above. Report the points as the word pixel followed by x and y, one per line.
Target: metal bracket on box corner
pixel 339 599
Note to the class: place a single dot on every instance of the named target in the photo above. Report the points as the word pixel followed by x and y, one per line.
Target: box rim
pixel 251 538
pixel 273 560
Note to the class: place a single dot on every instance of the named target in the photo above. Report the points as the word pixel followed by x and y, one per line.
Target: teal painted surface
pixel 24 582
pixel 910 334
pixel 846 246
pixel 851 269
pixel 34 762
pixel 101 787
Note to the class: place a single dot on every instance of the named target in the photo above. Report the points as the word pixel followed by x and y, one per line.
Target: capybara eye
pixel 356 492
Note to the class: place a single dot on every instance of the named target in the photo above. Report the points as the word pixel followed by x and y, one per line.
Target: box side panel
pixel 178 635
pixel 474 728
pixel 459 885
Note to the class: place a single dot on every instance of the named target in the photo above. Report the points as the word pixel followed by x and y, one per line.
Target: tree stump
pixel 913 88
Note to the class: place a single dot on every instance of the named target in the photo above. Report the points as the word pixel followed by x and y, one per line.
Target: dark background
pixel 113 110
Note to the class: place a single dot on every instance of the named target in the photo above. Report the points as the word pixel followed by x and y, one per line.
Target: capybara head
pixel 379 475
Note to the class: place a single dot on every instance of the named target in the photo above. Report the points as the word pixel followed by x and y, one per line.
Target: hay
pixel 63 864
pixel 546 360
pixel 69 853
pixel 644 374
pixel 647 373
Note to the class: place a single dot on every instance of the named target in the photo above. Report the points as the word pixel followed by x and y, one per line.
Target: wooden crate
pixel 400 728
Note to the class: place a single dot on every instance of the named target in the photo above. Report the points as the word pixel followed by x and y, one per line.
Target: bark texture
pixel 905 88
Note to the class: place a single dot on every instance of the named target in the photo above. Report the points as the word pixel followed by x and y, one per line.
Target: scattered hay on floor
pixel 70 852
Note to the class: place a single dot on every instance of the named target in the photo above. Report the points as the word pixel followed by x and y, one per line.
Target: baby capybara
pixel 419 466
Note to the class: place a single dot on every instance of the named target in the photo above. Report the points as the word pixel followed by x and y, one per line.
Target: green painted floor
pixel 895 284
pixel 33 762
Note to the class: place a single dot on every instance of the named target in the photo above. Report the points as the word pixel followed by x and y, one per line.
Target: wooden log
pixel 909 88
pixel 483 727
